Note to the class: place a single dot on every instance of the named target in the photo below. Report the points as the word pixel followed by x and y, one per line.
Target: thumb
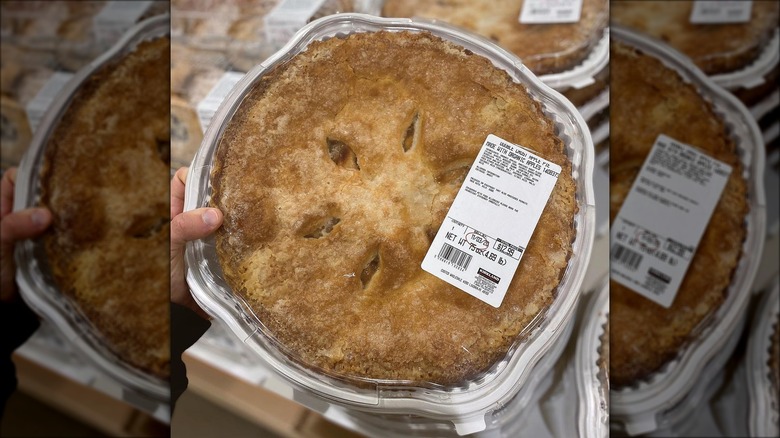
pixel 24 224
pixel 194 224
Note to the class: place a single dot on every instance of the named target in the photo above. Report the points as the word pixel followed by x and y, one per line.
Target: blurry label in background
pixel 287 18
pixel 38 106
pixel 116 18
pixel 719 12
pixel 208 106
pixel 550 11
pixel 481 241
pixel 656 232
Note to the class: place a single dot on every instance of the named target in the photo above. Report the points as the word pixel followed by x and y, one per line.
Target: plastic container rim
pixel 474 401
pixel 593 412
pixel 30 274
pixel 764 401
pixel 638 406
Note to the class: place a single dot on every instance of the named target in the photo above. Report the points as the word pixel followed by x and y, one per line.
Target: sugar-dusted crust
pixel 328 217
pixel 714 48
pixel 653 99
pixel 544 48
pixel 107 186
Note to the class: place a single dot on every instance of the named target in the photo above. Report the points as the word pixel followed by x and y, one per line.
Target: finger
pixel 7 192
pixel 177 191
pixel 24 224
pixel 194 224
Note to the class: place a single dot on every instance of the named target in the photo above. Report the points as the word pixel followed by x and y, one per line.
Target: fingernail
pixel 39 218
pixel 210 217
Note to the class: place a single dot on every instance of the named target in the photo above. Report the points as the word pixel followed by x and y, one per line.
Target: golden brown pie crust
pixel 544 48
pixel 714 48
pixel 334 175
pixel 105 182
pixel 653 99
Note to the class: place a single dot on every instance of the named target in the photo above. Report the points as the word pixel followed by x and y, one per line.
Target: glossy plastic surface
pixel 36 282
pixel 641 409
pixel 466 404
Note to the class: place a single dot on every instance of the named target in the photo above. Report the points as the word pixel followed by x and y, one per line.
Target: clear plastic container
pixel 507 420
pixel 642 409
pixel 754 74
pixel 730 51
pixel 764 414
pixel 541 46
pixel 581 97
pixel 591 367
pixel 465 405
pixel 601 179
pixel 594 109
pixel 584 73
pixel 510 420
pixel 36 282
pixel 683 418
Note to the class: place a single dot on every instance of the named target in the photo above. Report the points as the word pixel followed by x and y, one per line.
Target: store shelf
pixel 260 406
pixel 84 403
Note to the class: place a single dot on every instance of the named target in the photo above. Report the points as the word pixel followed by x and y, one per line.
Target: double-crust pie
pixel 544 48
pixel 652 99
pixel 334 175
pixel 714 48
pixel 105 179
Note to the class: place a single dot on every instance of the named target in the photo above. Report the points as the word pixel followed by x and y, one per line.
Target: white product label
pixel 287 18
pixel 482 239
pixel 38 106
pixel 116 18
pixel 658 228
pixel 207 107
pixel 550 11
pixel 720 12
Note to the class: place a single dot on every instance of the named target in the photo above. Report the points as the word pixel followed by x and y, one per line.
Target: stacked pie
pixel 653 100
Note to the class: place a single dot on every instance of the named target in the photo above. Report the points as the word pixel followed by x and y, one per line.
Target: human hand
pixel 191 225
pixel 15 226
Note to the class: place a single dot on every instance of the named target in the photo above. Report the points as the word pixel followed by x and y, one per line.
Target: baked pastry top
pixel 653 99
pixel 334 176
pixel 714 48
pixel 544 48
pixel 105 179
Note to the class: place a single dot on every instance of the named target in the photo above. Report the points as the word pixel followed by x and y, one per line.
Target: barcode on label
pixel 455 256
pixel 625 256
